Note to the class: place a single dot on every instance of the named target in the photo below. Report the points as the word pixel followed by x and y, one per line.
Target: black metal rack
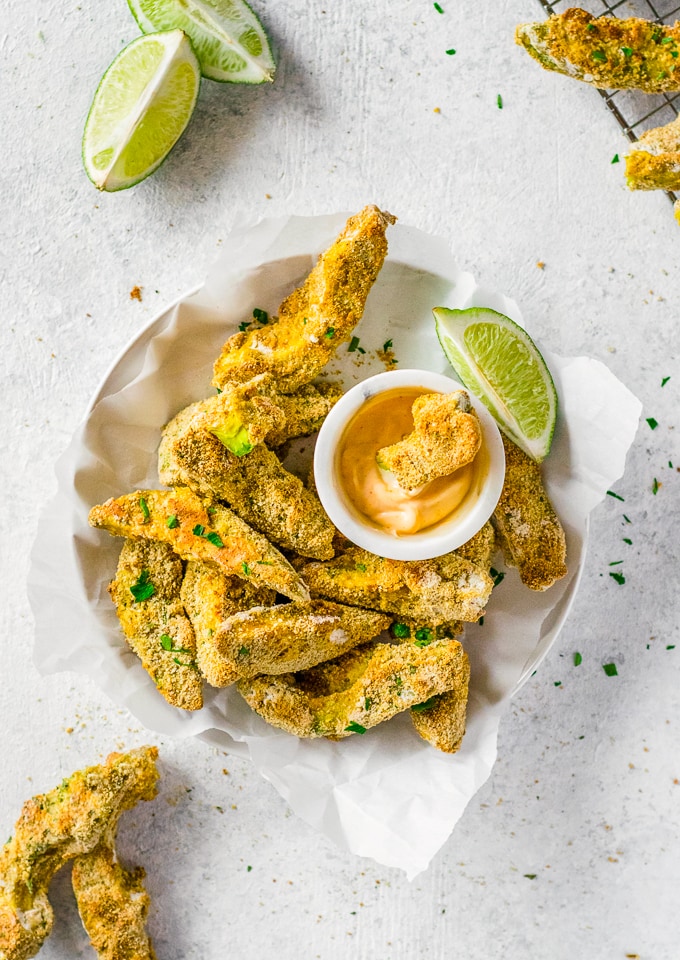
pixel 634 111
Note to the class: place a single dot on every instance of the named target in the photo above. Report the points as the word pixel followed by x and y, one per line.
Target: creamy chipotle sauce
pixel 381 421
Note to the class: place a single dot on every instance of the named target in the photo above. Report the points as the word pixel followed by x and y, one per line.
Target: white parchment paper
pixel 387 795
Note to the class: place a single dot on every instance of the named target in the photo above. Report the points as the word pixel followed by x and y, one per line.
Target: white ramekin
pixel 433 542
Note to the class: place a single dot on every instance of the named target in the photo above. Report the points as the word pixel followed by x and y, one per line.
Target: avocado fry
pixel 316 317
pixel 146 594
pixel 359 690
pixel 199 530
pixel 607 52
pixel 56 827
pixel 446 436
pixel 209 598
pixel 654 162
pixel 294 636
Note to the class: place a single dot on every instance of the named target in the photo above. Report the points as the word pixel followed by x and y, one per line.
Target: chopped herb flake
pixel 653 424
pixel 426 705
pixel 610 493
pixel 615 563
pixel 590 27
pixel 481 621
pixel 628 541
pixel 627 51
pixel 401 630
pixel 619 577
pixel 670 465
pixel 246 569
pixel 610 669
pixel 557 683
pixel 353 344
pixel 530 876
pixel 667 40
pixel 664 381
pixel 424 637
pixel 166 641
pixel 615 158
pixel 361 350
pixel 243 651
pixel 367 703
pixel 330 332
pixel 626 518
pixel 671 646
pixel 198 530
pixel 578 659
pixel 260 315
pixel 450 52
pixel 600 56
pixel 144 507
pixel 172 522
pixel 214 538
pixel 244 326
pixel 499 101
pixel 142 588
pixel 355 728
pixel 249 868
pixel 438 8
pixel 655 486
pixel 361 566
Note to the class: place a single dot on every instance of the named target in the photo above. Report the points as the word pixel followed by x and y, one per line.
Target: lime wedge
pixel 229 40
pixel 142 105
pixel 499 362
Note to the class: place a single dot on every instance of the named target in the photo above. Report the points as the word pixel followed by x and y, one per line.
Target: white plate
pixel 365 792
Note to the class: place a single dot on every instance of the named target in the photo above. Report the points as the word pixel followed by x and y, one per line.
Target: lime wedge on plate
pixel 141 108
pixel 499 362
pixel 229 40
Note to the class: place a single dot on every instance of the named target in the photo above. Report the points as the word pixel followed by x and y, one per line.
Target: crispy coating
pixel 435 591
pixel 245 414
pixel 294 636
pixel 441 720
pixel 318 316
pixel 157 628
pixel 606 52
pixel 113 904
pixel 480 548
pixel 381 680
pixel 529 531
pixel 654 163
pixel 55 827
pixel 257 487
pixel 209 597
pixel 244 552
pixel 446 436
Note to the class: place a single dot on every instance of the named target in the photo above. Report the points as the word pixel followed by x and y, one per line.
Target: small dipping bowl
pixel 446 535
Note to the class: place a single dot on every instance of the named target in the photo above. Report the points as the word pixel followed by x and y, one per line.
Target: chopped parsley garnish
pixel 615 563
pixel 198 530
pixel 214 538
pixel 610 669
pixel 361 350
pixel 530 876
pixel 653 424
pixel 424 637
pixel 260 315
pixel 249 868
pixel 578 659
pixel 142 588
pixel 499 101
pixel 627 51
pixel 438 8
pixel 244 326
pixel 619 577
pixel 218 389
pixel 367 703
pixel 353 344
pixel 628 541
pixel 355 728
pixel 361 566
pixel 610 493
pixel 655 486
pixel 166 641
pixel 246 569
pixel 387 345
pixel 426 705
pixel 600 56
pixel 266 563
pixel 450 52
pixel 670 465
pixel 481 621
pixel 557 683
pixel 244 651
pixel 401 630
pixel 330 332
pixel 590 27
pixel 625 517
pixel 497 576
pixel 615 158
pixel 144 507
pixel 671 646
pixel 172 522
pixel 667 40
pixel 664 381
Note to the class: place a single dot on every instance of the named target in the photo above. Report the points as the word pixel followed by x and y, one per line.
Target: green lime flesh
pixel 229 40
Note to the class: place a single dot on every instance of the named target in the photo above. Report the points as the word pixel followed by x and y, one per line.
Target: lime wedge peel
pixel 499 362
pixel 141 108
pixel 228 38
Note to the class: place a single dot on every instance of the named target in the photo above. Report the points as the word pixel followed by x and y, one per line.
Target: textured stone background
pixel 585 792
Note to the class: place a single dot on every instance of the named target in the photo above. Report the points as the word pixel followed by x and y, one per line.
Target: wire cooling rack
pixel 634 111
